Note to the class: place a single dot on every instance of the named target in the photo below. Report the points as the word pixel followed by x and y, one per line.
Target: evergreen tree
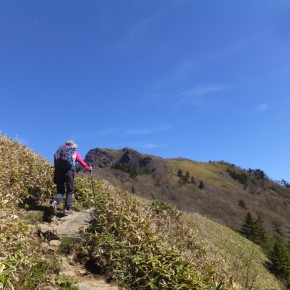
pixel 249 227
pixel 253 230
pixel 201 185
pixel 179 173
pixel 280 260
pixel 186 178
pixel 261 237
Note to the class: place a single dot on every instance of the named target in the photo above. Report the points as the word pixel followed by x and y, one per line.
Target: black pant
pixel 65 185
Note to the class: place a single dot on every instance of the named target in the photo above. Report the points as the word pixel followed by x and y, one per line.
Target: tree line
pixel 275 248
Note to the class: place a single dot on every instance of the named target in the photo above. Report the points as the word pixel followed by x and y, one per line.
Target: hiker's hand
pixel 91 169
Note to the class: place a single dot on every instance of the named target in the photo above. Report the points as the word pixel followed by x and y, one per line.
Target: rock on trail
pixel 70 226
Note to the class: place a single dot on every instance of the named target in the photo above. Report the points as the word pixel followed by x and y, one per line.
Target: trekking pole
pixel 92 182
pixel 92 179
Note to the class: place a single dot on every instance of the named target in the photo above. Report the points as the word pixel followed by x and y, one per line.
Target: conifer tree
pixel 280 260
pixel 253 230
pixel 186 178
pixel 249 227
pixel 201 185
pixel 261 237
pixel 179 173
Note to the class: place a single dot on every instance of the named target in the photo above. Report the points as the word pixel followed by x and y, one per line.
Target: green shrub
pixel 122 243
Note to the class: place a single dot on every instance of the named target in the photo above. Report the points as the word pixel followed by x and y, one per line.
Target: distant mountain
pixel 221 191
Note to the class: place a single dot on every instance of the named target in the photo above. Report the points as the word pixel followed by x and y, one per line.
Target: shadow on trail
pixel 46 209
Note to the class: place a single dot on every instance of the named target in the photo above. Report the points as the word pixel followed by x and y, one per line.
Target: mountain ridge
pixel 228 192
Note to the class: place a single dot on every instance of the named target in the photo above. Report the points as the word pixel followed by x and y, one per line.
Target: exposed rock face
pixel 143 174
pixel 145 161
pixel 100 158
pixel 125 159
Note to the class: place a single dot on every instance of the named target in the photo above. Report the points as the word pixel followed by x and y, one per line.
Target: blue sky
pixel 204 80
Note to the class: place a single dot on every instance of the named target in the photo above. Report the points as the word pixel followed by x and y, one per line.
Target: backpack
pixel 63 159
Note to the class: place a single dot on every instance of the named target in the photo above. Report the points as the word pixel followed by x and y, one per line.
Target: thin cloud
pixel 196 95
pixel 146 131
pixel 152 146
pixel 193 62
pixel 139 146
pixel 120 132
pixel 96 134
pixel 262 107
pixel 133 35
pixel 236 46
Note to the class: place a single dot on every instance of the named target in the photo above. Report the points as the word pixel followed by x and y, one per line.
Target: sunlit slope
pixel 128 235
pixel 23 174
pixel 134 231
pixel 24 177
pixel 229 192
pixel 211 172
pixel 233 255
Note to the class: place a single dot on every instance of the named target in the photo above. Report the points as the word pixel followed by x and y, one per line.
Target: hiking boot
pixel 67 211
pixel 54 206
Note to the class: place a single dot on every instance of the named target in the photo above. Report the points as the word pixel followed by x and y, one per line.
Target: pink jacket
pixel 77 158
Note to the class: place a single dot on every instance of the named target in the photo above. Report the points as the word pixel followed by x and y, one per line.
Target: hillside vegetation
pixel 218 190
pixel 140 243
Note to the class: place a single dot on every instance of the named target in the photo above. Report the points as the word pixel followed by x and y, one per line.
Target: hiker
pixel 65 160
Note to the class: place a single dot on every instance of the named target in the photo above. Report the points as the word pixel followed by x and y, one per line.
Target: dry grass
pixel 159 231
pixel 210 172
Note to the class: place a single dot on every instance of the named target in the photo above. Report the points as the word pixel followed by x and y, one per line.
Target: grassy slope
pixel 233 255
pixel 217 255
pixel 222 194
pixel 23 175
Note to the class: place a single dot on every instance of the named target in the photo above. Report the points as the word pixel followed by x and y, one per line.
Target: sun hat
pixel 71 143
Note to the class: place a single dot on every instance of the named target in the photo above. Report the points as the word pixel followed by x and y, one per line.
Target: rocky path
pixel 71 226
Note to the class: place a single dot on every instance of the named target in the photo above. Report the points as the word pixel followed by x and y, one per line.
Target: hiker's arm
pixel 80 160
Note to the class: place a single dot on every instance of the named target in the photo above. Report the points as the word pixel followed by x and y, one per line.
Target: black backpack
pixel 63 159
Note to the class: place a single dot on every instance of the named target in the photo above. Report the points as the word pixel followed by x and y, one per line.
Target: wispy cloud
pixel 146 131
pixel 152 146
pixel 193 62
pixel 120 132
pixel 196 95
pixel 149 145
pixel 96 134
pixel 133 35
pixel 262 107
pixel 186 67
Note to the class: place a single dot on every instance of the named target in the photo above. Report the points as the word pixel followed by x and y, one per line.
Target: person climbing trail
pixel 65 160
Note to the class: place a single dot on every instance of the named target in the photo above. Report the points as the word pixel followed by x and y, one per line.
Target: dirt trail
pixel 70 226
